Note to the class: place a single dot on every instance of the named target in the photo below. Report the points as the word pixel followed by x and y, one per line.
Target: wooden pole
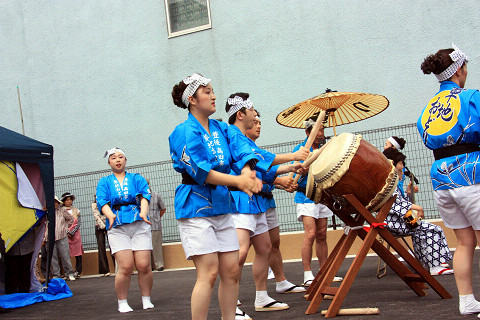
pixel 311 137
pixel 355 311
pixel 21 113
pixel 334 122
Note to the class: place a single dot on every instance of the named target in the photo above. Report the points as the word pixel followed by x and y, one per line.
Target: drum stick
pixel 312 136
pixel 311 159
pixel 355 311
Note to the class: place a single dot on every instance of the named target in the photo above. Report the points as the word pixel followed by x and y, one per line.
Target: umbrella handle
pixel 312 136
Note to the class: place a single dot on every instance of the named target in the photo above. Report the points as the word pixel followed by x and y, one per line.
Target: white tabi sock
pixel 147 304
pixel 123 306
pixel 308 275
pixel 468 304
pixel 262 298
pixel 284 285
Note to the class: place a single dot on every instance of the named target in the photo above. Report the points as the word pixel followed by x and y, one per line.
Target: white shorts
pixel 255 223
pixel 272 218
pixel 314 210
pixel 460 207
pixel 133 236
pixel 204 235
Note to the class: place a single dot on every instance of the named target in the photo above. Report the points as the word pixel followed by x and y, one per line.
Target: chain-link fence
pixel 164 180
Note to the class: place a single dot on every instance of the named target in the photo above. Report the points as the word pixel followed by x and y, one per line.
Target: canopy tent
pixel 34 163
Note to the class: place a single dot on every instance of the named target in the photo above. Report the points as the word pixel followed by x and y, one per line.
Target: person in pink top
pixel 74 237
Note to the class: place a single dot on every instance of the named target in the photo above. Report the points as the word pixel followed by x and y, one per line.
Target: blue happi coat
pixel 264 203
pixel 111 192
pixel 195 152
pixel 239 143
pixel 451 117
pixel 300 197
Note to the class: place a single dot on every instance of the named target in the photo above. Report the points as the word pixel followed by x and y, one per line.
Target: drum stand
pixel 354 214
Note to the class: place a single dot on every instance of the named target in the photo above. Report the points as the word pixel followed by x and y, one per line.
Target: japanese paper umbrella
pixel 341 108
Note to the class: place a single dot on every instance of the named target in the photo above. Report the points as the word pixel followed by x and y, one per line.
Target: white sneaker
pixel 337 279
pixel 71 278
pixel 439 270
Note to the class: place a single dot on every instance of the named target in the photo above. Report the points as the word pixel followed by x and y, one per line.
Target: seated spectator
pixel 74 237
pixel 429 242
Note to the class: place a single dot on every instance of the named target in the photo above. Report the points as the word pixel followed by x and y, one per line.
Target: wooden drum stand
pixel 354 214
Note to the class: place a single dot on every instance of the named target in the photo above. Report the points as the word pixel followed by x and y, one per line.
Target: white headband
pixel 458 58
pixel 108 153
pixel 236 103
pixel 394 142
pixel 194 81
pixel 308 123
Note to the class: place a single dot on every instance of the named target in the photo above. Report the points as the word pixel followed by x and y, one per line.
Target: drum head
pixel 335 159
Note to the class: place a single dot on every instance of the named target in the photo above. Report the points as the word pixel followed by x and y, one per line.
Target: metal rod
pixel 21 113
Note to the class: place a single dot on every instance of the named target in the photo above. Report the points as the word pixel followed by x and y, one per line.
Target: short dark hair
pixel 233 117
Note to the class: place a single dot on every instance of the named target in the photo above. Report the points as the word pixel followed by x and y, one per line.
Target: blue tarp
pixel 57 289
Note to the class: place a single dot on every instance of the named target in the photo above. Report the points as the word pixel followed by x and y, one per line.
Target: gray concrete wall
pixel 97 74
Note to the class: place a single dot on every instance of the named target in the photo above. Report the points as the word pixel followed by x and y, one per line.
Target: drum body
pixel 351 165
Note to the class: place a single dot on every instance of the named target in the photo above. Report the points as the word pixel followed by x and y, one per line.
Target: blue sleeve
pixel 269 176
pixel 475 100
pixel 198 154
pixel 301 181
pixel 173 140
pixel 266 159
pixel 142 187
pixel 241 150
pixel 189 153
pixel 102 193
pixel 475 107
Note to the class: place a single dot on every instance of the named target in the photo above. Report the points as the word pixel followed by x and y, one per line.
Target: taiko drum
pixel 350 165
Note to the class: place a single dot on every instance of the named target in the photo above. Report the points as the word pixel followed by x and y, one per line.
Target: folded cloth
pixel 57 289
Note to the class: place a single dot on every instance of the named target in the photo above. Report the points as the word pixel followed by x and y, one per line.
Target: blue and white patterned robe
pixel 429 242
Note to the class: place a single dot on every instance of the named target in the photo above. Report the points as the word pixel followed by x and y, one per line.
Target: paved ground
pixel 94 298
